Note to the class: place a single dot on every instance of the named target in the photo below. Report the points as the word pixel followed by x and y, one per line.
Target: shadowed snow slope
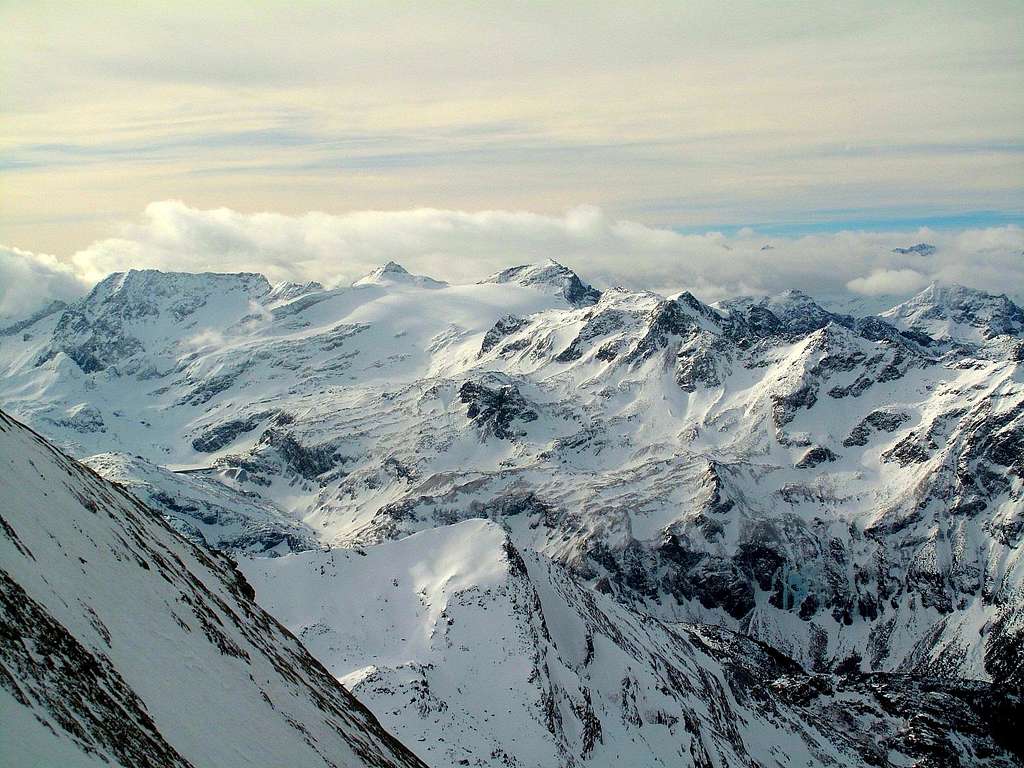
pixel 123 643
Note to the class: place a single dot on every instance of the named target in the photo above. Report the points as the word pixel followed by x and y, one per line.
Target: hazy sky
pixel 791 118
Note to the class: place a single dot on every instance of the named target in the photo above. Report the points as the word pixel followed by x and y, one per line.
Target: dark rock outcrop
pixel 496 407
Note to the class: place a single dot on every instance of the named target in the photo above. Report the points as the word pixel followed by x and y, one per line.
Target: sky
pixel 804 122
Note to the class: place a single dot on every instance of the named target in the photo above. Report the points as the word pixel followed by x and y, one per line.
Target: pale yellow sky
pixel 687 115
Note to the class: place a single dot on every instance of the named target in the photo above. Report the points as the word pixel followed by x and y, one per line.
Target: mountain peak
pixel 287 290
pixel 949 295
pixel 550 274
pixel 155 281
pixel 920 249
pixel 797 311
pixel 393 273
pixel 140 312
pixel 946 292
pixel 954 312
pixel 392 268
pixel 791 296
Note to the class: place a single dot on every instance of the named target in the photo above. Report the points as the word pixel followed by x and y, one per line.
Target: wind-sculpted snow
pixel 124 644
pixel 483 655
pixel 846 489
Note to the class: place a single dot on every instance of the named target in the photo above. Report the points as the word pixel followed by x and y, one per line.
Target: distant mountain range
pixel 528 522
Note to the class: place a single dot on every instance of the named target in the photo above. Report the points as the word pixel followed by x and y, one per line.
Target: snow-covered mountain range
pixel 579 464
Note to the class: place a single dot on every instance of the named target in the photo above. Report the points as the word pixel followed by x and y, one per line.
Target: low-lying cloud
pixel 30 280
pixel 463 246
pixel 884 282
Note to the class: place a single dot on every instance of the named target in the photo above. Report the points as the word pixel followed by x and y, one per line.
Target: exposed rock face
pixel 224 433
pixel 495 406
pixel 885 421
pixel 505 327
pixel 279 452
pixel 918 249
pixel 123 643
pixel 598 325
pixel 307 461
pixel 814 456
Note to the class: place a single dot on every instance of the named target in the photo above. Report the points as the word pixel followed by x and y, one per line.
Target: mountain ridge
pixel 844 488
pixel 124 643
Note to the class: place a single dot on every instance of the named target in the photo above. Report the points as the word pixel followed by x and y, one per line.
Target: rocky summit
pixel 527 522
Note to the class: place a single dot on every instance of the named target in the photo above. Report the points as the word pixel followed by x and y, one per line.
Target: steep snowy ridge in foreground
pixel 486 656
pixel 125 644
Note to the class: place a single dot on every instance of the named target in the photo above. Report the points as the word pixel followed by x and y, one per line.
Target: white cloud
pixel 889 281
pixel 30 280
pixel 461 246
pixel 206 338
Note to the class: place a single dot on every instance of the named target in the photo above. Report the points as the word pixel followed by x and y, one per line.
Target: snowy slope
pixel 205 510
pixel 847 489
pixel 481 655
pixel 125 644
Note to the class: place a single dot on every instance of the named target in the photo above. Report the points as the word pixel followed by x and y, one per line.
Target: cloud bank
pixel 30 280
pixel 882 282
pixel 464 246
